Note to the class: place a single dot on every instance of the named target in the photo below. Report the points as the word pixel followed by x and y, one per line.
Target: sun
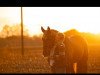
pixel 90 28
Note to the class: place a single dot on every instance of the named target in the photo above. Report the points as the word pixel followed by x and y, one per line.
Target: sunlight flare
pixel 84 19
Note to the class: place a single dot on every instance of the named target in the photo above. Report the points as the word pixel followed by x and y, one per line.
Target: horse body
pixel 75 47
pixel 76 50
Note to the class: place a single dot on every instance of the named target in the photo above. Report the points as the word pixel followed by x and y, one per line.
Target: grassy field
pixel 94 59
pixel 12 61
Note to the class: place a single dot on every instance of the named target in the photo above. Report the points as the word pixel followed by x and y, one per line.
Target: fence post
pixel 22 44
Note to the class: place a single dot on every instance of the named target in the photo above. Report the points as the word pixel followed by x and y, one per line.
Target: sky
pixel 84 19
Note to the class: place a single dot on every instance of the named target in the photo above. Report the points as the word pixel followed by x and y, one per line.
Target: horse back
pixel 76 46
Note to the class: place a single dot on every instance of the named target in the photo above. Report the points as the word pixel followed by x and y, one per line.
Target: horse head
pixel 48 40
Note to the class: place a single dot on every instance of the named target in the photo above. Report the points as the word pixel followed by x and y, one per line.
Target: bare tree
pixel 13 30
pixel 6 30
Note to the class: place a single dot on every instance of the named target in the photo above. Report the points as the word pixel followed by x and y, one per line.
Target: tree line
pixel 14 30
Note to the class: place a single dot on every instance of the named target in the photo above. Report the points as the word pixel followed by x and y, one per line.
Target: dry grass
pixel 32 62
pixel 94 59
pixel 11 61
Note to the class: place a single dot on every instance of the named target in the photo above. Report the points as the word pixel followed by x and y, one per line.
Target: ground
pixel 12 61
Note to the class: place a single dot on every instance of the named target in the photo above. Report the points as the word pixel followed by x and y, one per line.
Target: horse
pixel 76 50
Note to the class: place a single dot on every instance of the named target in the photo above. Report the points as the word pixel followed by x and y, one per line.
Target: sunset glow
pixel 84 19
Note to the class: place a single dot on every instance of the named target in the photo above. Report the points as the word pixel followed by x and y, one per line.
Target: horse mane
pixel 54 31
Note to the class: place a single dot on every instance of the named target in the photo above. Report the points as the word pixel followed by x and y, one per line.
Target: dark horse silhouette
pixel 76 49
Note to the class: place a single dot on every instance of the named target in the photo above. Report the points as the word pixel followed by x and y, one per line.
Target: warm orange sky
pixel 84 19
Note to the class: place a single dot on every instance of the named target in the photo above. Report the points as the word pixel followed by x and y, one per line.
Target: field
pixel 94 59
pixel 12 61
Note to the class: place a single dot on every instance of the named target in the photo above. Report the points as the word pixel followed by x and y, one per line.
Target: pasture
pixel 12 61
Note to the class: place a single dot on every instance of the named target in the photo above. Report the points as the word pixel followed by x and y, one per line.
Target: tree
pixel 14 30
pixel 5 31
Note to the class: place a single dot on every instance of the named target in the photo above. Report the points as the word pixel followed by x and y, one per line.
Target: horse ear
pixel 43 30
pixel 48 28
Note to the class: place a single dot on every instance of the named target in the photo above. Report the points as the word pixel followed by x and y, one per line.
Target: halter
pixel 52 52
pixel 53 48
